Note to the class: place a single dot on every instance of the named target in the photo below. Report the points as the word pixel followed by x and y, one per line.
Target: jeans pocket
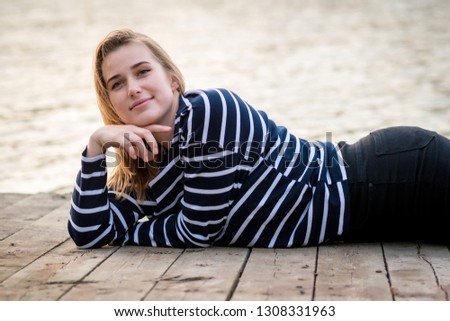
pixel 399 139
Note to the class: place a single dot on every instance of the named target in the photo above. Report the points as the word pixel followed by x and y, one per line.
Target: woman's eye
pixel 144 71
pixel 116 85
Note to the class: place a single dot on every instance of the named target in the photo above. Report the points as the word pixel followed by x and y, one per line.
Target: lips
pixel 140 102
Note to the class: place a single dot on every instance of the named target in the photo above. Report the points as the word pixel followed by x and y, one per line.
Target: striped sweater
pixel 230 178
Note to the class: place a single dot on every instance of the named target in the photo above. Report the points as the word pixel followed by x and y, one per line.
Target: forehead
pixel 124 57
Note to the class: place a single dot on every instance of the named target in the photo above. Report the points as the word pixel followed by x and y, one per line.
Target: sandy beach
pixel 315 66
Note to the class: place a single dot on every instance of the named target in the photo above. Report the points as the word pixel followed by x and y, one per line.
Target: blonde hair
pixel 128 176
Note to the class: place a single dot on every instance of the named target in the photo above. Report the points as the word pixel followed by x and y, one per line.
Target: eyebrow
pixel 132 67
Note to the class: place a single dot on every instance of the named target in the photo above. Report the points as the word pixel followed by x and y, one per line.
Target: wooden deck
pixel 38 261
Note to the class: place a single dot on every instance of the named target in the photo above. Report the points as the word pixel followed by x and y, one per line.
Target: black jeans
pixel 399 180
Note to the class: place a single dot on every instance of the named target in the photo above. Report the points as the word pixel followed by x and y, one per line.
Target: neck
pixel 165 138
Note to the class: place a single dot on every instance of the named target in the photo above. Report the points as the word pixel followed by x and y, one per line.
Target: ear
pixel 174 83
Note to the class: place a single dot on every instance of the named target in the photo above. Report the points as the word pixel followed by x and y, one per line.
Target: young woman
pixel 203 168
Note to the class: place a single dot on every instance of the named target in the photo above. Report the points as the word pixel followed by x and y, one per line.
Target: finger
pixel 139 146
pixel 143 138
pixel 147 146
pixel 150 143
pixel 128 147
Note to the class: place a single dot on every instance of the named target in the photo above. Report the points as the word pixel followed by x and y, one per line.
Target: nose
pixel 133 88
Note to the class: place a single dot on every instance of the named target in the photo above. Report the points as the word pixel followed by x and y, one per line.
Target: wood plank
pixel 32 241
pixel 412 278
pixel 278 274
pixel 129 274
pixel 8 199
pixel 351 272
pixel 38 261
pixel 201 274
pixel 53 274
pixel 30 208
pixel 439 259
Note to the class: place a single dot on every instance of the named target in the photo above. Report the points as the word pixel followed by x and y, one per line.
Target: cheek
pixel 119 105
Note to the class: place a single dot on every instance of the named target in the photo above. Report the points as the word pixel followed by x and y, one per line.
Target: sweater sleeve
pixel 97 217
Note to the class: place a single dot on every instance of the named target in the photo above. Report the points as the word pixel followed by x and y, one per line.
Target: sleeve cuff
pixel 93 164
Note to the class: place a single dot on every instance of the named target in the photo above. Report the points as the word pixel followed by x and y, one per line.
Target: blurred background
pixel 315 66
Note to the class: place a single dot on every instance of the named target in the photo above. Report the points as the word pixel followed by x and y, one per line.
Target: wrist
pixel 94 148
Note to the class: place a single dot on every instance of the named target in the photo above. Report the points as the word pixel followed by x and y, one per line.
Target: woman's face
pixel 141 91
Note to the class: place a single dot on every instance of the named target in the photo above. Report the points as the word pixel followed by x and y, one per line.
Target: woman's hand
pixel 136 141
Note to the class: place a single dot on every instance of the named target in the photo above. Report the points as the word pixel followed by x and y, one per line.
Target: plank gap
pixel 313 296
pixel 82 280
pixel 238 277
pixel 422 256
pixel 388 275
pixel 162 275
pixel 411 276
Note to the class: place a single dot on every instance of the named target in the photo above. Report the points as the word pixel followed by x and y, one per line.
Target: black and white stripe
pixel 231 178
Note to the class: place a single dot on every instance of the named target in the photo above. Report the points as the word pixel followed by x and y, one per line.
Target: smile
pixel 140 102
